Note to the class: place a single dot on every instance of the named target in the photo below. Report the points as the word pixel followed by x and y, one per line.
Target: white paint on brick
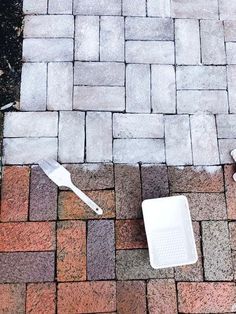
pixel 138 150
pixel 71 137
pixel 112 38
pixel 225 147
pixel 60 86
pixel 33 87
pixel 226 125
pixel 163 89
pixel 30 124
pixel 138 126
pixel 46 50
pixel 95 7
pixel 231 73
pixel 35 6
pixel 192 9
pixel 230 30
pixel 99 98
pixel 48 26
pixel 204 140
pixel 138 88
pixel 99 73
pixel 98 137
pixel 227 9
pixel 134 7
pixel 160 52
pixel 202 101
pixel 144 28
pixel 201 77
pixel 160 8
pixel 60 6
pixel 177 140
pixel 231 53
pixel 28 150
pixel 212 42
pixel 87 38
pixel 187 41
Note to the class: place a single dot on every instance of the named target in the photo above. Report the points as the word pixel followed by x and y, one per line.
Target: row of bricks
pixel 202 9
pixel 136 88
pixel 189 48
pixel 92 255
pixel 34 194
pixel 158 296
pixel 201 139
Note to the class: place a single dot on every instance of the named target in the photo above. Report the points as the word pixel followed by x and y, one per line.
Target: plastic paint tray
pixel 169 232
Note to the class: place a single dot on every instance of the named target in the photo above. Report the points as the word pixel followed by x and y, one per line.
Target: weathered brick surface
pixel 230 191
pixel 191 9
pixel 131 297
pixel 227 10
pixel 12 298
pixel 71 207
pixel 161 296
pixel 134 264
pixel 60 6
pixel 89 297
pixel 232 232
pixel 15 193
pixel 225 126
pixel 27 267
pixel 93 7
pixel 71 251
pixel 41 298
pixel 128 191
pixel 225 148
pixel 27 236
pixel 130 234
pixel 134 8
pixel 161 8
pixel 206 297
pixel 216 251
pixel 35 7
pixel 100 250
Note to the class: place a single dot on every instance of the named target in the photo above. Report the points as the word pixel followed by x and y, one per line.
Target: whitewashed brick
pixel 225 148
pixel 94 7
pixel 187 41
pixel 204 140
pixel 177 140
pixel 99 98
pixel 161 52
pixel 145 28
pixel 30 124
pixel 60 6
pixel 230 30
pixel 112 38
pixel 138 125
pixel 159 8
pixel 33 87
pixel 48 26
pixel 201 77
pixel 87 38
pixel 202 101
pixel 134 7
pixel 99 73
pixel 163 89
pixel 138 150
pixel 192 9
pixel 35 6
pixel 226 125
pixel 138 88
pixel 98 137
pixel 227 9
pixel 231 53
pixel 71 136
pixel 60 86
pixel 231 73
pixel 212 42
pixel 28 150
pixel 46 50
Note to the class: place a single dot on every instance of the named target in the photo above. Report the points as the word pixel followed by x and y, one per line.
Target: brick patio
pixel 138 100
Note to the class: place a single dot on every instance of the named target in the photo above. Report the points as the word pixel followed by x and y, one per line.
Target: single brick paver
pixel 60 6
pixel 226 126
pixel 191 9
pixel 41 298
pixel 225 148
pixel 71 251
pixel 35 6
pixel 161 8
pixel 100 250
pixel 134 8
pixel 12 298
pixel 93 7
pixel 227 10
pixel 131 297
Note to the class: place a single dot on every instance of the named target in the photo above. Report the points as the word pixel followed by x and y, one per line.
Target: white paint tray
pixel 169 232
